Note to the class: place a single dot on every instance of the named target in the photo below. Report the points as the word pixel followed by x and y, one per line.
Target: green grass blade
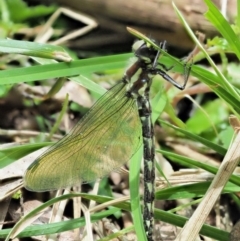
pixel 34 49
pixel 219 149
pixel 222 25
pixel 10 155
pixel 222 81
pixel 191 191
pixel 185 161
pixel 179 221
pixel 134 180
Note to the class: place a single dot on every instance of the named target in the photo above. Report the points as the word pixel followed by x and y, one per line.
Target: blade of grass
pixel 192 163
pixel 11 46
pixel 222 80
pixel 219 149
pixel 222 25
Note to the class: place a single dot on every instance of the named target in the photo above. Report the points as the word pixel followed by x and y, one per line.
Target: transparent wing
pixel 103 140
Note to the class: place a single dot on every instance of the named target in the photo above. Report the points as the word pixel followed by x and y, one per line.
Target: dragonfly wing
pixel 103 140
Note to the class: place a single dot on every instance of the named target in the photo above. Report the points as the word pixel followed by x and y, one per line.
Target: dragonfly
pixel 109 134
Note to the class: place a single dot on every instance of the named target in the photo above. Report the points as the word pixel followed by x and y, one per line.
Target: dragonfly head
pixel 144 51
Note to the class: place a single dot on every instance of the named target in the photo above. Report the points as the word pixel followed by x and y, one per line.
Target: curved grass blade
pixel 34 49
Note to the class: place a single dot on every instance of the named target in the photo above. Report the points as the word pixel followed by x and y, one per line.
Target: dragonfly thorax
pixel 138 87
